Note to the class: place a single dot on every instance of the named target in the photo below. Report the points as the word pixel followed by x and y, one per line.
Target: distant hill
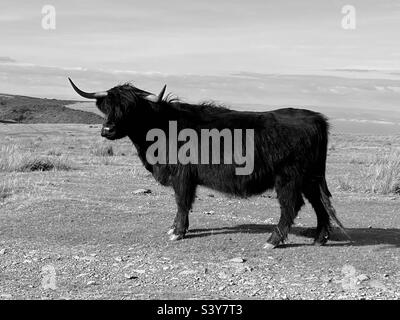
pixel 24 109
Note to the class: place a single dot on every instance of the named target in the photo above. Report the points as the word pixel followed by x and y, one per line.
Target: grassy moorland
pixel 24 109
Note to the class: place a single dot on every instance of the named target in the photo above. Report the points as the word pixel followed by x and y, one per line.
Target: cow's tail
pixel 325 195
pixel 320 168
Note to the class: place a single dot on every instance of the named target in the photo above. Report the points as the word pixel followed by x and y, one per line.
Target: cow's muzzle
pixel 108 132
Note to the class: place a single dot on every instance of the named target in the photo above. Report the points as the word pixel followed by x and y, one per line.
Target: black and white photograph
pixel 212 151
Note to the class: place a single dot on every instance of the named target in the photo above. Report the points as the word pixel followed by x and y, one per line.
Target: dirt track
pixel 83 234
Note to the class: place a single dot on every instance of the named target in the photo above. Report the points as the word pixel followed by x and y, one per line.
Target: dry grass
pixel 344 183
pixel 14 159
pixel 54 152
pixel 383 174
pixel 356 163
pixel 45 164
pixel 102 150
pixel 378 173
pixel 8 187
pixel 5 191
pixel 104 154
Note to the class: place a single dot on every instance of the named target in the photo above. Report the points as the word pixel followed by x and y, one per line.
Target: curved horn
pixel 88 95
pixel 154 98
pixel 8 121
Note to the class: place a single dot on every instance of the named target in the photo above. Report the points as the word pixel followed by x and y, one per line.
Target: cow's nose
pixel 105 131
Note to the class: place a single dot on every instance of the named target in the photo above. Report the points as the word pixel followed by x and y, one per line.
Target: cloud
pixel 242 90
pixel 7 59
pixel 353 70
pixel 10 18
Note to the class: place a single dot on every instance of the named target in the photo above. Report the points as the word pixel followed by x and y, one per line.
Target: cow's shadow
pixel 359 236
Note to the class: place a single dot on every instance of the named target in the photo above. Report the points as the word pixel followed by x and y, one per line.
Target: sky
pixel 194 45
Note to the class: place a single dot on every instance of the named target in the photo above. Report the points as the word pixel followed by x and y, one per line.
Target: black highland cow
pixel 290 149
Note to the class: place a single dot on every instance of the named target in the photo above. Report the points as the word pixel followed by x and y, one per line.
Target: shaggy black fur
pixel 290 155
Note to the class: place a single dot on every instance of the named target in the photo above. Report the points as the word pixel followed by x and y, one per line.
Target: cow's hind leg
pixel 312 193
pixel 319 196
pixel 185 192
pixel 291 201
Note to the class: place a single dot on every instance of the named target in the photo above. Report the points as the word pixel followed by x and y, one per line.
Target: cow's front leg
pixel 180 225
pixel 184 195
pixel 291 201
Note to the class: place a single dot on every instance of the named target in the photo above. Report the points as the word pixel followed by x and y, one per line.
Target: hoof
pixel 321 240
pixel 176 237
pixel 269 246
pixel 320 243
pixel 170 231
